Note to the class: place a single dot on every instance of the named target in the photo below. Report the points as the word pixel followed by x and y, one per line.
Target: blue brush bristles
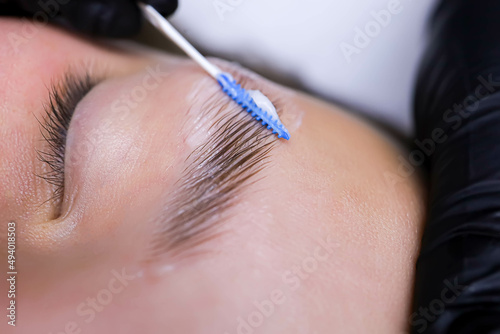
pixel 243 98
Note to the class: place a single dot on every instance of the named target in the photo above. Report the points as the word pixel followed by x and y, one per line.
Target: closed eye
pixel 64 96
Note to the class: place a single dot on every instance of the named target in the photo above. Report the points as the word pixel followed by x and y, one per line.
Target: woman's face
pixel 163 206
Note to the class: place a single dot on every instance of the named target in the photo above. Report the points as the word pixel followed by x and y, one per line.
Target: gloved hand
pixel 111 18
pixel 457 111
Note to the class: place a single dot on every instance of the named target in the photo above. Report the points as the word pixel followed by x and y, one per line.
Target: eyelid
pixel 64 96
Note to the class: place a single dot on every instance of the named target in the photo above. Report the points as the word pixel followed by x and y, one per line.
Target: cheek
pixel 21 191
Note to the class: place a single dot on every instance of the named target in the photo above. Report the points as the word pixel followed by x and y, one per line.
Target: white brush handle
pixel 168 30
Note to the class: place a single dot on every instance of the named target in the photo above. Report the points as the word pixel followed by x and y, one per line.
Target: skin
pixel 323 243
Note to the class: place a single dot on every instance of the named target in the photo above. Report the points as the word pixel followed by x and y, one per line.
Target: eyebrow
pixel 217 171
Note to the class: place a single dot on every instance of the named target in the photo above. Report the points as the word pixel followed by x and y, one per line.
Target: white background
pixel 299 42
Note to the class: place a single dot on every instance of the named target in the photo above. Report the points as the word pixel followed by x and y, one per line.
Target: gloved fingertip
pixel 97 17
pixel 120 26
pixel 164 7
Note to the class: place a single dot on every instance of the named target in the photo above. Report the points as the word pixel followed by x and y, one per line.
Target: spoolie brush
pixel 256 103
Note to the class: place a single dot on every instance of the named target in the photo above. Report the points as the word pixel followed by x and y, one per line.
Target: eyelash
pixel 64 96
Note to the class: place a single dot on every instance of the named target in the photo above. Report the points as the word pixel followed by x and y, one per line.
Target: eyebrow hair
pixel 217 172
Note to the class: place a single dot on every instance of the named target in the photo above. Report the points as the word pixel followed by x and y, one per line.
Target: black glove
pixel 111 18
pixel 457 110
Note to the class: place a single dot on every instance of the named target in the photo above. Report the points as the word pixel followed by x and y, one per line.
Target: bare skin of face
pixel 317 239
